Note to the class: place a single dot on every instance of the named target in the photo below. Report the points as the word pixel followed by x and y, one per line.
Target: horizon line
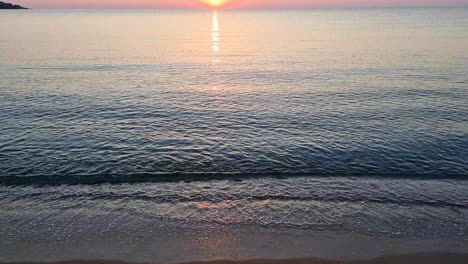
pixel 249 8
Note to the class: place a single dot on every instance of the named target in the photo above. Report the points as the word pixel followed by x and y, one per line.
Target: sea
pixel 180 135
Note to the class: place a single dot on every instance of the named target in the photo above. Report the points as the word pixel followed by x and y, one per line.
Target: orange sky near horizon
pixel 230 3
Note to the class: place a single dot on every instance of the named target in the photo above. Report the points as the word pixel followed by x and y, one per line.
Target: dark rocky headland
pixel 4 5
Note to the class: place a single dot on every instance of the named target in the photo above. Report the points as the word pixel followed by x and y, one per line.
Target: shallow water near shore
pixel 259 218
pixel 167 136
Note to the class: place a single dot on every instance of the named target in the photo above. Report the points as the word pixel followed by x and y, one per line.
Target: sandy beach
pixel 428 258
pixel 438 258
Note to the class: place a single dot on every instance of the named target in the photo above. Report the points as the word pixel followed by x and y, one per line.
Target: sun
pixel 215 3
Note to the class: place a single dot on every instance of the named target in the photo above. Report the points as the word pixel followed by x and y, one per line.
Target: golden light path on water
pixel 215 36
pixel 215 39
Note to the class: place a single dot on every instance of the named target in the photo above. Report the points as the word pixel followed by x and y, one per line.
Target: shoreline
pixel 337 219
pixel 426 258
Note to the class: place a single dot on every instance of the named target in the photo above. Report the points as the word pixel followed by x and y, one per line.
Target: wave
pixel 88 179
pixel 182 198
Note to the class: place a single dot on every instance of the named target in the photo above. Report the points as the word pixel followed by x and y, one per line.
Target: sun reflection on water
pixel 215 41
pixel 215 35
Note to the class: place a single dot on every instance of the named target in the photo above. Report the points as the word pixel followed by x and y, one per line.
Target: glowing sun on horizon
pixel 215 3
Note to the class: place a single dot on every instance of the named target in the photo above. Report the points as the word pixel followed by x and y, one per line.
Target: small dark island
pixel 4 5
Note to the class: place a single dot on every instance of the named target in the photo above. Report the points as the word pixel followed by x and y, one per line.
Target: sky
pixel 230 3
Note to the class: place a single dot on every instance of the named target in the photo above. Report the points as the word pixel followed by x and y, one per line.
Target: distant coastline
pixel 4 5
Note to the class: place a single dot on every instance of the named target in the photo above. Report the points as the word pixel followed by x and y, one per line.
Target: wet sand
pixel 430 258
pixel 439 258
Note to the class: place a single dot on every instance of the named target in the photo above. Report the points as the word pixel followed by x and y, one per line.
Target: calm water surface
pixel 116 93
pixel 367 109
